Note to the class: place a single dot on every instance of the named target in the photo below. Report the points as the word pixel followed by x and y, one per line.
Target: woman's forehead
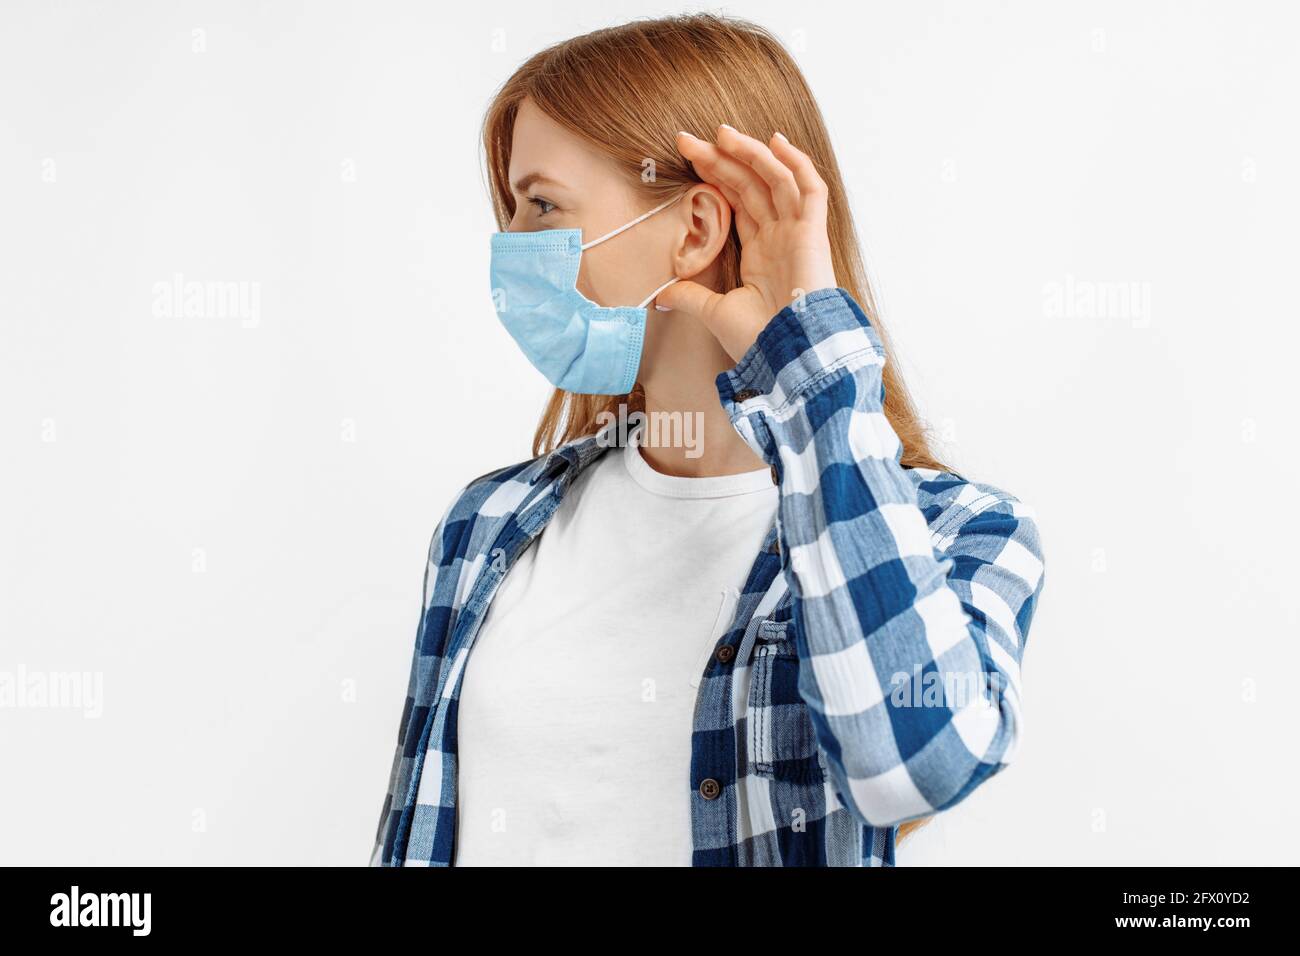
pixel 543 149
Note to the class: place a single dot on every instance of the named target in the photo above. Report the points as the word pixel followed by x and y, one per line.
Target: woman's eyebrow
pixel 521 185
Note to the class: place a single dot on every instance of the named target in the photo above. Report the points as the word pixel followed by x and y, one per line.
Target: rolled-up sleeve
pixel 910 631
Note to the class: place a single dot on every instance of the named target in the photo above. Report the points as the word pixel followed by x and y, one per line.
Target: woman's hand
pixel 779 203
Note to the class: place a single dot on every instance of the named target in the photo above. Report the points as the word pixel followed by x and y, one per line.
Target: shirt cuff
pixel 801 349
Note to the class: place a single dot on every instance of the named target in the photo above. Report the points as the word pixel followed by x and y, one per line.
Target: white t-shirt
pixel 578 697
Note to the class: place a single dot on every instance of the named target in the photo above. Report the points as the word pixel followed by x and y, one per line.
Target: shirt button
pixel 745 394
pixel 776 546
pixel 775 478
pixel 725 653
pixel 710 788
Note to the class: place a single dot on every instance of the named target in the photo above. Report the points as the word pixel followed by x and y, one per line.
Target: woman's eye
pixel 543 206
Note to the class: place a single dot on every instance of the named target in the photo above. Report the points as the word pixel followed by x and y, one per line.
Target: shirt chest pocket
pixel 780 741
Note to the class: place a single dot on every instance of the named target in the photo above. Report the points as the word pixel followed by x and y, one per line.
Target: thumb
pixel 689 298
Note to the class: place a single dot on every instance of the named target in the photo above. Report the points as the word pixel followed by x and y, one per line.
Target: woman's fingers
pixel 740 166
pixel 777 175
pixel 698 151
pixel 745 225
pixel 734 319
pixel 689 297
pixel 812 188
pixel 722 169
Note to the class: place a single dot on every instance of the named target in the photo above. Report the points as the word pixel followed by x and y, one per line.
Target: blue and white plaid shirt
pixel 871 674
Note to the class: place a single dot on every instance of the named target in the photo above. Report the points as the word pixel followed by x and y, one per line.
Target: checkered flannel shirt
pixel 871 674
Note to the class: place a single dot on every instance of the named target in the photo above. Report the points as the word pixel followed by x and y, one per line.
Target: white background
pixel 329 153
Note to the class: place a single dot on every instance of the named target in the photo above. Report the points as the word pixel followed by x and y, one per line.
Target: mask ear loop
pixel 629 225
pixel 650 298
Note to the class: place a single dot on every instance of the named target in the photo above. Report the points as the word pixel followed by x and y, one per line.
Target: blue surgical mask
pixel 578 345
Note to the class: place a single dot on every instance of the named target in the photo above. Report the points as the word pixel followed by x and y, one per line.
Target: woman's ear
pixel 707 216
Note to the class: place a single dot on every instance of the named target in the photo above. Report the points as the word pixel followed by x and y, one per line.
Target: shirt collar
pixel 575 455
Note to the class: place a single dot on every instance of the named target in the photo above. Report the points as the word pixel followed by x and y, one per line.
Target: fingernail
pixel 682 132
pixel 780 135
pixel 727 126
pixel 662 308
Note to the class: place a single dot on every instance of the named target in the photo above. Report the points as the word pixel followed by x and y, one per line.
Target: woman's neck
pixel 688 433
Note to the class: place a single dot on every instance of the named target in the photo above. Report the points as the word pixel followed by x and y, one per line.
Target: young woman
pixel 787 641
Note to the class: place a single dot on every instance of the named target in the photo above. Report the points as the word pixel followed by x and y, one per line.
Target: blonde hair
pixel 626 91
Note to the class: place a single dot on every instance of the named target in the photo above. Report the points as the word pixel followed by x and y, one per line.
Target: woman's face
pixel 559 182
